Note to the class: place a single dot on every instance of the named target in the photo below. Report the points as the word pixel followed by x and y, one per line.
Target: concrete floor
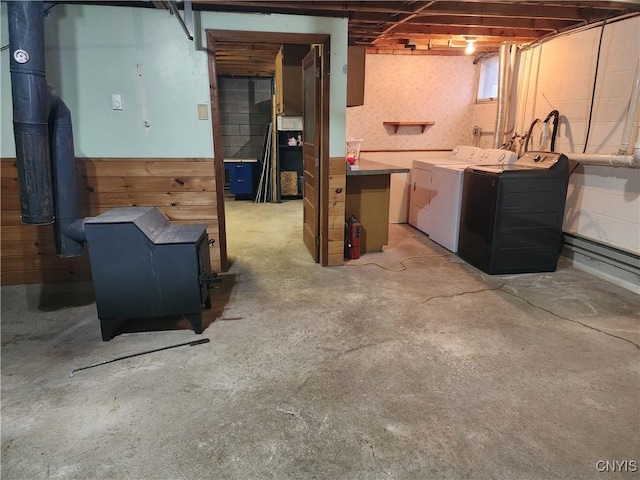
pixel 431 370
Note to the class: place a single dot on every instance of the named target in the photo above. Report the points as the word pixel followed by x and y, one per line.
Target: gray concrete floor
pixel 422 369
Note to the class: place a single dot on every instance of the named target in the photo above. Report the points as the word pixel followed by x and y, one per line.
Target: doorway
pixel 259 41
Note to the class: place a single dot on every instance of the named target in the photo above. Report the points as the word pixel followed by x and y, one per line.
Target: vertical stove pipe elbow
pixel 68 230
pixel 31 106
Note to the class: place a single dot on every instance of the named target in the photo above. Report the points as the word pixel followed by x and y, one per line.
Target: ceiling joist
pixel 429 27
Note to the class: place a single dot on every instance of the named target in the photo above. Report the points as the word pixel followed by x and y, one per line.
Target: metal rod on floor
pixel 191 344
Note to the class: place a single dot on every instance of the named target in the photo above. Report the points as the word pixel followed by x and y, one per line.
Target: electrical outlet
pixel 203 111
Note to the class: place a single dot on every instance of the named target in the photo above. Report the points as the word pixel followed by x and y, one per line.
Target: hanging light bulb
pixel 471 47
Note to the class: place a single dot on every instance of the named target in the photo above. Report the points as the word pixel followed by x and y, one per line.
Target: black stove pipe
pixel 43 134
pixel 68 229
pixel 31 107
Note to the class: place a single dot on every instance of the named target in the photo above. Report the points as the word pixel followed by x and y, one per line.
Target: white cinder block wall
pixel 603 203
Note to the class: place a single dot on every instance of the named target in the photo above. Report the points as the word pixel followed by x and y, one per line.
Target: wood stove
pixel 145 267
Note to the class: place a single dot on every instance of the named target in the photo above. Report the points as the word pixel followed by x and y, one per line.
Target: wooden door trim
pixel 218 164
pixel 268 37
pixel 324 155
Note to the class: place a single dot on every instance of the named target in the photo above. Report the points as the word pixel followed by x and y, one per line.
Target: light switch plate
pixel 116 102
pixel 203 111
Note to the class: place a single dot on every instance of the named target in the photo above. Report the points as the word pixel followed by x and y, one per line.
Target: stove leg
pixel 196 322
pixel 106 327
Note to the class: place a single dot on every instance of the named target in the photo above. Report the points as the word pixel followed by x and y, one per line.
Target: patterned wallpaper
pixel 415 88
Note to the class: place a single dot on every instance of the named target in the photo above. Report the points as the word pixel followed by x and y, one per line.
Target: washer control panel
pixel 496 156
pixel 539 159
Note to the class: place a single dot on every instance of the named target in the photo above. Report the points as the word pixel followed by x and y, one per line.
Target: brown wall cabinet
pixel 355 76
pixel 289 79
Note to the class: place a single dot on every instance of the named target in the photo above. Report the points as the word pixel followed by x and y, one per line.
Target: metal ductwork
pixel 43 134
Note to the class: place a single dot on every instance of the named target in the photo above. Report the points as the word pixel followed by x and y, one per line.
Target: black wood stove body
pixel 145 267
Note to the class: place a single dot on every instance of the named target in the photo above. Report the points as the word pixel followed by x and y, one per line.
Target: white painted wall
pixel 92 52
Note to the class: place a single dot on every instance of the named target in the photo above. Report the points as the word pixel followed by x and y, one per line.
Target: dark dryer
pixel 511 215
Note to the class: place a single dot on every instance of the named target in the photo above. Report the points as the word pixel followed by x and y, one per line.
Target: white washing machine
pixel 436 191
pixel 420 191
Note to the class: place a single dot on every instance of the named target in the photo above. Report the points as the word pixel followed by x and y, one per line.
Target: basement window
pixel 488 84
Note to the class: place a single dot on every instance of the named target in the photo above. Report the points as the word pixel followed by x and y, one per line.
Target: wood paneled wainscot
pixel 335 205
pixel 183 189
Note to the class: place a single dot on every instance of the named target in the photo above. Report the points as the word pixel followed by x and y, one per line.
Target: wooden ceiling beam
pixel 441 16
pixel 422 6
pixel 389 25
pixel 569 11
pixel 424 39
pixel 492 22
pixel 343 8
pixel 411 29
pixel 450 52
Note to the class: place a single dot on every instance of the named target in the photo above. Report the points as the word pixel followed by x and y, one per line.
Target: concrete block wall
pixel 245 111
pixel 603 202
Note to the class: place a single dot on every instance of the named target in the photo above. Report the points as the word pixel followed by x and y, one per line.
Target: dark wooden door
pixel 311 109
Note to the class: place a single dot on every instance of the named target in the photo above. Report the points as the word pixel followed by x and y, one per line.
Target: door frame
pixel 213 35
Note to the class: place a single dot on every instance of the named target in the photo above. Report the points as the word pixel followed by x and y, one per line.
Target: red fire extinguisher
pixel 353 237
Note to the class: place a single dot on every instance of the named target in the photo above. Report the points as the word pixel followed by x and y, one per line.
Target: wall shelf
pixel 397 125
